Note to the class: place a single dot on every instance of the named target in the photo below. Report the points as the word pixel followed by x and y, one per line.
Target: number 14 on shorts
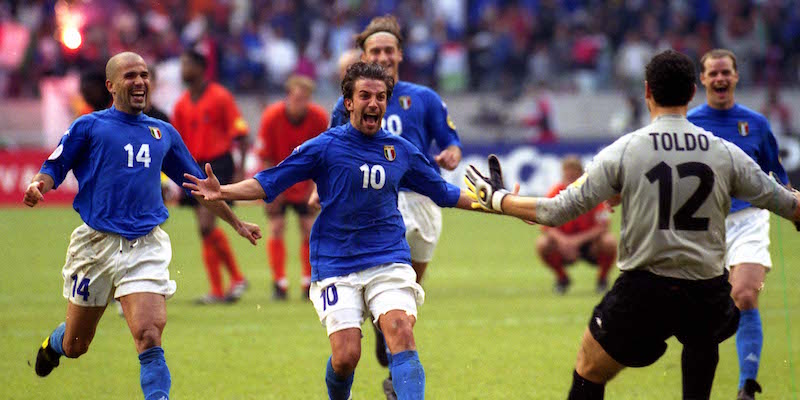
pixel 80 289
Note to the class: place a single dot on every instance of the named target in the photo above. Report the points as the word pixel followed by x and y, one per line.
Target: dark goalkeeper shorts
pixel 642 310
pixel 223 168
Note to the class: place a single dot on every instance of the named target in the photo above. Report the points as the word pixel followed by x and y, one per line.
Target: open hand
pixel 208 188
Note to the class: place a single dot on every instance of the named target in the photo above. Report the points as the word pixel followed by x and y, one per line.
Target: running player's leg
pixel 143 286
pixel 87 287
pixel 747 279
pixel 276 249
pixel 70 338
pixel 146 314
pixel 393 296
pixel 339 302
pixel 593 368
pixel 708 316
pixel 747 237
pixel 340 371
pixel 698 365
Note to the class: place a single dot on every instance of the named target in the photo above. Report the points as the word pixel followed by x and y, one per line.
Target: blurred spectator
pixel 779 114
pixel 540 119
pixel 492 44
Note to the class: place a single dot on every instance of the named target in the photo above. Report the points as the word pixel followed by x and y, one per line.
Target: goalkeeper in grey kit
pixel 675 181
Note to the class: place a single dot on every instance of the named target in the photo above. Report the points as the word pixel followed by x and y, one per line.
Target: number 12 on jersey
pixel 684 218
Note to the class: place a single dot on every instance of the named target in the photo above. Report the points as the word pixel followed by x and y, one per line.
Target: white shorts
pixel 747 238
pixel 343 302
pixel 99 265
pixel 423 220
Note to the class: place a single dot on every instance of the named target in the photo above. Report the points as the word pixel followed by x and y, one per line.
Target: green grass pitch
pixel 491 327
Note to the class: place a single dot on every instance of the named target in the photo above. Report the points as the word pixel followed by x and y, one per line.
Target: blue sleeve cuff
pixel 263 179
pixel 453 194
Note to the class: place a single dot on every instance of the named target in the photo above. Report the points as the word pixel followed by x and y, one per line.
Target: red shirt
pixel 279 137
pixel 209 125
pixel 585 221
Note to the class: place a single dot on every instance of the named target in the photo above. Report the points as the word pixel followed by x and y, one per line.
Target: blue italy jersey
pixel 416 113
pixel 117 159
pixel 358 178
pixel 747 129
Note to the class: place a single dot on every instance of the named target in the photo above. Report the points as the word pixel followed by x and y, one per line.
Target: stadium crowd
pixel 451 44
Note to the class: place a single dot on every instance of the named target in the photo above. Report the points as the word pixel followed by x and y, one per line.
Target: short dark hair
pixel 196 57
pixel 93 88
pixel 671 77
pixel 387 23
pixel 715 54
pixel 362 70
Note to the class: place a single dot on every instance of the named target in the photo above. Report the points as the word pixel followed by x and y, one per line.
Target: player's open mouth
pixel 721 90
pixel 138 95
pixel 370 118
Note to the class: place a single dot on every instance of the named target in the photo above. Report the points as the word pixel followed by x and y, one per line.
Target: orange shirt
pixel 585 221
pixel 279 137
pixel 209 125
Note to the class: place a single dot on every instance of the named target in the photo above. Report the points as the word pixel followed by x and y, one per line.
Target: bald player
pixel 675 180
pixel 119 251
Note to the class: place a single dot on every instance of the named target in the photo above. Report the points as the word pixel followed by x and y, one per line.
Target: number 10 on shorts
pixel 329 297
pixel 80 289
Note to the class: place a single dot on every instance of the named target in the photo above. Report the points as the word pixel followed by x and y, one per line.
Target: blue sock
pixel 408 376
pixel 57 337
pixel 749 340
pixel 338 388
pixel 154 375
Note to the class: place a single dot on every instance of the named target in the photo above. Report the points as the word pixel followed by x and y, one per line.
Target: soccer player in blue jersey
pixel 747 227
pixel 359 254
pixel 419 115
pixel 119 251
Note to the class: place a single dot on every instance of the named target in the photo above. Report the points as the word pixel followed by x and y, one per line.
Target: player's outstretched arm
pixel 247 230
pixel 40 184
pixel 211 190
pixel 489 193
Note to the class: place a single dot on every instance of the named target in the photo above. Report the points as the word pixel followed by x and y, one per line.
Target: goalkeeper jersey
pixel 676 182
pixel 358 178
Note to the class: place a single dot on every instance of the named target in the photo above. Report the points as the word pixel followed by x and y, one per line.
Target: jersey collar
pixel 351 130
pixel 125 116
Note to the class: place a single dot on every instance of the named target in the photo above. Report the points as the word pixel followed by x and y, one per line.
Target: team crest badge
pixel 155 132
pixel 405 102
pixel 743 128
pixel 450 122
pixel 389 153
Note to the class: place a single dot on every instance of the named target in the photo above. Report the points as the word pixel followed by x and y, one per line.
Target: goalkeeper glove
pixel 487 193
